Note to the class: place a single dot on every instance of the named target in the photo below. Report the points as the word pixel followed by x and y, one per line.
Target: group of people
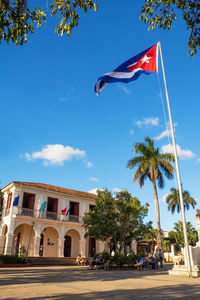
pixel 98 262
pixel 151 262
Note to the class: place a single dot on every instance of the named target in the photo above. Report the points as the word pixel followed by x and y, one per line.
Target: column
pixel 9 243
pixel 36 246
pixel 60 252
pixel 82 247
pixel 2 243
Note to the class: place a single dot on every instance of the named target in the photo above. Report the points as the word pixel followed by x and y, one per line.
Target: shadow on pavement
pixel 68 274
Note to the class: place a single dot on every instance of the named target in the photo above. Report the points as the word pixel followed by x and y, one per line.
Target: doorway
pixel 67 246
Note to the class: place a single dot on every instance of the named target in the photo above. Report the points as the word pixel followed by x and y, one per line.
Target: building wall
pixel 53 230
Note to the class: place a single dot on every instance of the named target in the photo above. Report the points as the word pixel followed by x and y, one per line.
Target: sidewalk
pixel 61 282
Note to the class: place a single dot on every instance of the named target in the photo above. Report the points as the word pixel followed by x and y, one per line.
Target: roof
pixel 53 188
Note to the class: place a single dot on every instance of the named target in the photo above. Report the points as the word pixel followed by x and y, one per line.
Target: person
pixel 155 257
pixel 143 262
pixel 79 260
pixel 160 257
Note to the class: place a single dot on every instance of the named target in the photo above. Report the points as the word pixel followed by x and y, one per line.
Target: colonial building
pixel 45 220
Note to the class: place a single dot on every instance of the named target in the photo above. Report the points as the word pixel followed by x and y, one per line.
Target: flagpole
pixel 187 253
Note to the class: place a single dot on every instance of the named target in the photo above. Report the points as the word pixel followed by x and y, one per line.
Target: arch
pixel 73 237
pixel 23 239
pixel 49 241
pixel 53 226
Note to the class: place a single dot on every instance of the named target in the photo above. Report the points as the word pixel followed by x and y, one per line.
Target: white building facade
pixel 46 232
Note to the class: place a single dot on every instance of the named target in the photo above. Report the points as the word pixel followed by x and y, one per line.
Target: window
pixel 28 201
pixel 74 210
pixel 91 207
pixel 52 205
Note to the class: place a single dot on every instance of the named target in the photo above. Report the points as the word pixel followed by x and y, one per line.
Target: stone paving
pixel 71 282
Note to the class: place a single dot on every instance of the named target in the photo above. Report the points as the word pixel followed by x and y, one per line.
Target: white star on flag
pixel 145 59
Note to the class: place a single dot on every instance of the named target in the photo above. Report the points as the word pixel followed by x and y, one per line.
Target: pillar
pixel 36 246
pixel 9 243
pixel 82 247
pixel 2 243
pixel 60 252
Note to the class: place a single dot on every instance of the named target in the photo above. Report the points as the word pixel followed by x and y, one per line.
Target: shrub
pixel 12 259
pixel 105 255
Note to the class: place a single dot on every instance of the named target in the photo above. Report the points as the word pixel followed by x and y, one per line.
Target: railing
pixel 51 215
pixel 26 212
pixel 48 215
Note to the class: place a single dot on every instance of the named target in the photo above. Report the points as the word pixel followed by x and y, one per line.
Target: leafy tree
pixel 173 200
pixel 17 19
pixel 151 164
pixel 162 13
pixel 177 236
pixel 119 219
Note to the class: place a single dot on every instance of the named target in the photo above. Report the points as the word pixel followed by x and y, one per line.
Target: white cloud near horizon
pixel 182 154
pixel 94 191
pixel 148 122
pixel 95 179
pixel 56 154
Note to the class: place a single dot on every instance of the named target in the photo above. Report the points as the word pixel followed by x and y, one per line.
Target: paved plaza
pixel 71 282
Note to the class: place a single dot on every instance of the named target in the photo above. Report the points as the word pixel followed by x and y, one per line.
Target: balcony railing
pixel 33 213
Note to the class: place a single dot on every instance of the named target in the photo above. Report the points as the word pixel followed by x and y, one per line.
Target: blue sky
pixel 55 130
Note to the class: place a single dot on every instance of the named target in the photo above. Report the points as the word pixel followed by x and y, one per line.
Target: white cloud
pixel 148 122
pixel 164 197
pixel 198 159
pixel 124 89
pixel 166 132
pixel 93 191
pixel 116 190
pixel 94 179
pixel 56 154
pixel 89 164
pixel 183 154
pixel 131 132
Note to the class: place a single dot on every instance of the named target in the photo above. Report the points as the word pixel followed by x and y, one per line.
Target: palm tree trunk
pixel 159 240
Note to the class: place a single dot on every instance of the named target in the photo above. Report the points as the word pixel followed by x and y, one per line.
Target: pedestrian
pixel 156 257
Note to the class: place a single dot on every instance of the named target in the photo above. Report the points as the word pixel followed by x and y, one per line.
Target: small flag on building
pixel 68 211
pixel 16 201
pixel 63 211
pixel 42 208
pixel 143 63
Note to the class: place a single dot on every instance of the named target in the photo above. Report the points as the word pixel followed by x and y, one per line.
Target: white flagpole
pixel 187 253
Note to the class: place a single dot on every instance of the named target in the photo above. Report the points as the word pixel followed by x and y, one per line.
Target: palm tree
pixel 173 200
pixel 177 234
pixel 152 164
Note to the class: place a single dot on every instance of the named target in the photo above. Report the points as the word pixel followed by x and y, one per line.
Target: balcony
pixel 33 213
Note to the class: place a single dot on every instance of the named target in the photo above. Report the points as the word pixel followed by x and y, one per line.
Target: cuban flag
pixel 143 63
pixel 67 212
